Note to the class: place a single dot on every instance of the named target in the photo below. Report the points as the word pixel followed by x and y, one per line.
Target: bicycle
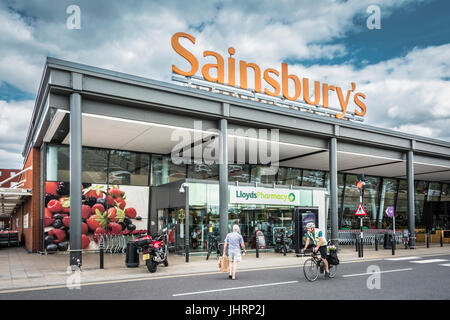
pixel 314 265
pixel 213 244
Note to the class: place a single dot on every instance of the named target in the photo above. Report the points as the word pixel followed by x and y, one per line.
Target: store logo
pixel 292 197
pixel 271 77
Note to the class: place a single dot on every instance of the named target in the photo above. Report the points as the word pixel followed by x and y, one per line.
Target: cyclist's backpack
pixel 332 258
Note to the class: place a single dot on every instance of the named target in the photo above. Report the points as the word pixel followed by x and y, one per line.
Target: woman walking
pixel 234 242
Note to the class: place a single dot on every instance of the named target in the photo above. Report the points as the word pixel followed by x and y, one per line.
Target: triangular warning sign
pixel 360 211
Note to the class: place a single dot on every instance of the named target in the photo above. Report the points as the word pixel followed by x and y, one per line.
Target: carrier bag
pixel 224 264
pixel 332 258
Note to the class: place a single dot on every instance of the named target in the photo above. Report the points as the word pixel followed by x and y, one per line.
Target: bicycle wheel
pixel 311 270
pixel 333 269
pixel 209 252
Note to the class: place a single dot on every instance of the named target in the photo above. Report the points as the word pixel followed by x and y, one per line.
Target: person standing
pixel 234 242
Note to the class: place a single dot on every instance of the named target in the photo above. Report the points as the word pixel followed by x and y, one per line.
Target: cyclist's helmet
pixel 310 225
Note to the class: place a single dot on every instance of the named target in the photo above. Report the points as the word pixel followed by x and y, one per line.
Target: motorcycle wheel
pixel 151 265
pixel 166 263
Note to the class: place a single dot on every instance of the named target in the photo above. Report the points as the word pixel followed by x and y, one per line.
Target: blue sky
pixel 403 66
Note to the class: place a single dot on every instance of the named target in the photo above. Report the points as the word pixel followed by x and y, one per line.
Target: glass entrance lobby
pixel 204 219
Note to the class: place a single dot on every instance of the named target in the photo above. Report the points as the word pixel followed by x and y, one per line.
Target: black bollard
pixel 393 245
pixel 428 241
pixel 257 246
pixel 361 248
pixel 442 239
pixel 376 243
pixel 101 253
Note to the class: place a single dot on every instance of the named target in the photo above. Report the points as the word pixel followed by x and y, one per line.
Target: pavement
pixel 20 270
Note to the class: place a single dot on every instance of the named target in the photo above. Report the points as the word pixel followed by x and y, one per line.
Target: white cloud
pixel 409 93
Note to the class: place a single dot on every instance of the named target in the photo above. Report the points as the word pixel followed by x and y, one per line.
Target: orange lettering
pixel 325 89
pixel 219 66
pixel 360 104
pixel 231 68
pixel 243 71
pixel 306 92
pixel 185 54
pixel 272 82
pixel 285 82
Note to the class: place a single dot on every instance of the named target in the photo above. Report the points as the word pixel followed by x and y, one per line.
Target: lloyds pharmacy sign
pixel 252 195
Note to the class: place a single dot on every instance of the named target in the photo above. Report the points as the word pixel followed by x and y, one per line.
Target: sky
pixel 403 68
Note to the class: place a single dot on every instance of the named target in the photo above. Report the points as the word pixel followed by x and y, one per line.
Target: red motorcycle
pixel 154 250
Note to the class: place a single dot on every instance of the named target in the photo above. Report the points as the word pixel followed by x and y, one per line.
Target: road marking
pixel 402 258
pixel 370 273
pixel 445 265
pixel 235 288
pixel 429 261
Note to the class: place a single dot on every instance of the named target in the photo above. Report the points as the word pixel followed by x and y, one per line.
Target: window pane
pixel 387 199
pixel 421 190
pixel 164 171
pixel 203 171
pixel 445 196
pixel 312 178
pixel 128 168
pixel 434 191
pixel 58 163
pixel 288 176
pixel 238 172
pixel 94 165
pixel 263 174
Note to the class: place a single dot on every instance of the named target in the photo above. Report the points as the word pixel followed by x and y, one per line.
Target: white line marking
pixel 402 258
pixel 370 273
pixel 445 265
pixel 235 288
pixel 429 261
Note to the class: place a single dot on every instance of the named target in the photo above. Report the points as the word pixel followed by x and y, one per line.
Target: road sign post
pixel 391 213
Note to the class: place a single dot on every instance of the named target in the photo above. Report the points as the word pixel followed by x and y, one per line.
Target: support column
pixel 411 207
pixel 75 180
pixel 334 191
pixel 223 179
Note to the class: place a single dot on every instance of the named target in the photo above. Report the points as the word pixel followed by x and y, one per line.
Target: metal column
pixel 411 207
pixel 223 179
pixel 75 180
pixel 334 191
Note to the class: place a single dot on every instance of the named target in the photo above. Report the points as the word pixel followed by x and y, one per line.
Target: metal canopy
pixel 10 199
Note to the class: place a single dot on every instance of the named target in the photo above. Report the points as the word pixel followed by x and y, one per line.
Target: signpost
pixel 360 212
pixel 390 213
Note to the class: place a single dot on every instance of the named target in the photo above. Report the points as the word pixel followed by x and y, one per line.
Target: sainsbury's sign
pixel 270 76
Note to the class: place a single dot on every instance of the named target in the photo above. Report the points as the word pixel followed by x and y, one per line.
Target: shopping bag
pixel 224 264
pixel 332 258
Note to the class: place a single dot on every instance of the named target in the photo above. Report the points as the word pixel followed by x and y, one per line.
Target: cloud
pixel 15 118
pixel 408 93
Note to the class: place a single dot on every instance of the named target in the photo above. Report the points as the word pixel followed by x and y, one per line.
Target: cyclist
pixel 318 239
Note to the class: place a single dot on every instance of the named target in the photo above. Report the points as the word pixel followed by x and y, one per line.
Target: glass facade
pixel 104 166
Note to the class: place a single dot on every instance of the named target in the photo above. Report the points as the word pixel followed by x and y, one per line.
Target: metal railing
pixel 349 237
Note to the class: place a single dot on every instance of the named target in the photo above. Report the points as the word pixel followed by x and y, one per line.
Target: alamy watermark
pixel 245 146
pixel 74 20
pixel 374 20
pixel 374 280
pixel 73 281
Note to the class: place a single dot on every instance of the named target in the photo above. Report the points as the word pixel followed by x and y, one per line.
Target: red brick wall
pixel 6 174
pixel 30 236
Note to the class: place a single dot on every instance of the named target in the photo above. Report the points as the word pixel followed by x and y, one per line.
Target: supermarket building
pixel 122 134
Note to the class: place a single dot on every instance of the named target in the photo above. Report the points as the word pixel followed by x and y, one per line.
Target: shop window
pixel 289 176
pixel 434 191
pixel 312 178
pixel 238 172
pixel 94 165
pixel 203 171
pixel 387 199
pixel 165 171
pixel 263 174
pixel 58 163
pixel 420 196
pixel 128 168
pixel 445 195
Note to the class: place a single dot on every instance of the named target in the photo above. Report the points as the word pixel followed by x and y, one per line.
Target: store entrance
pixel 268 219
